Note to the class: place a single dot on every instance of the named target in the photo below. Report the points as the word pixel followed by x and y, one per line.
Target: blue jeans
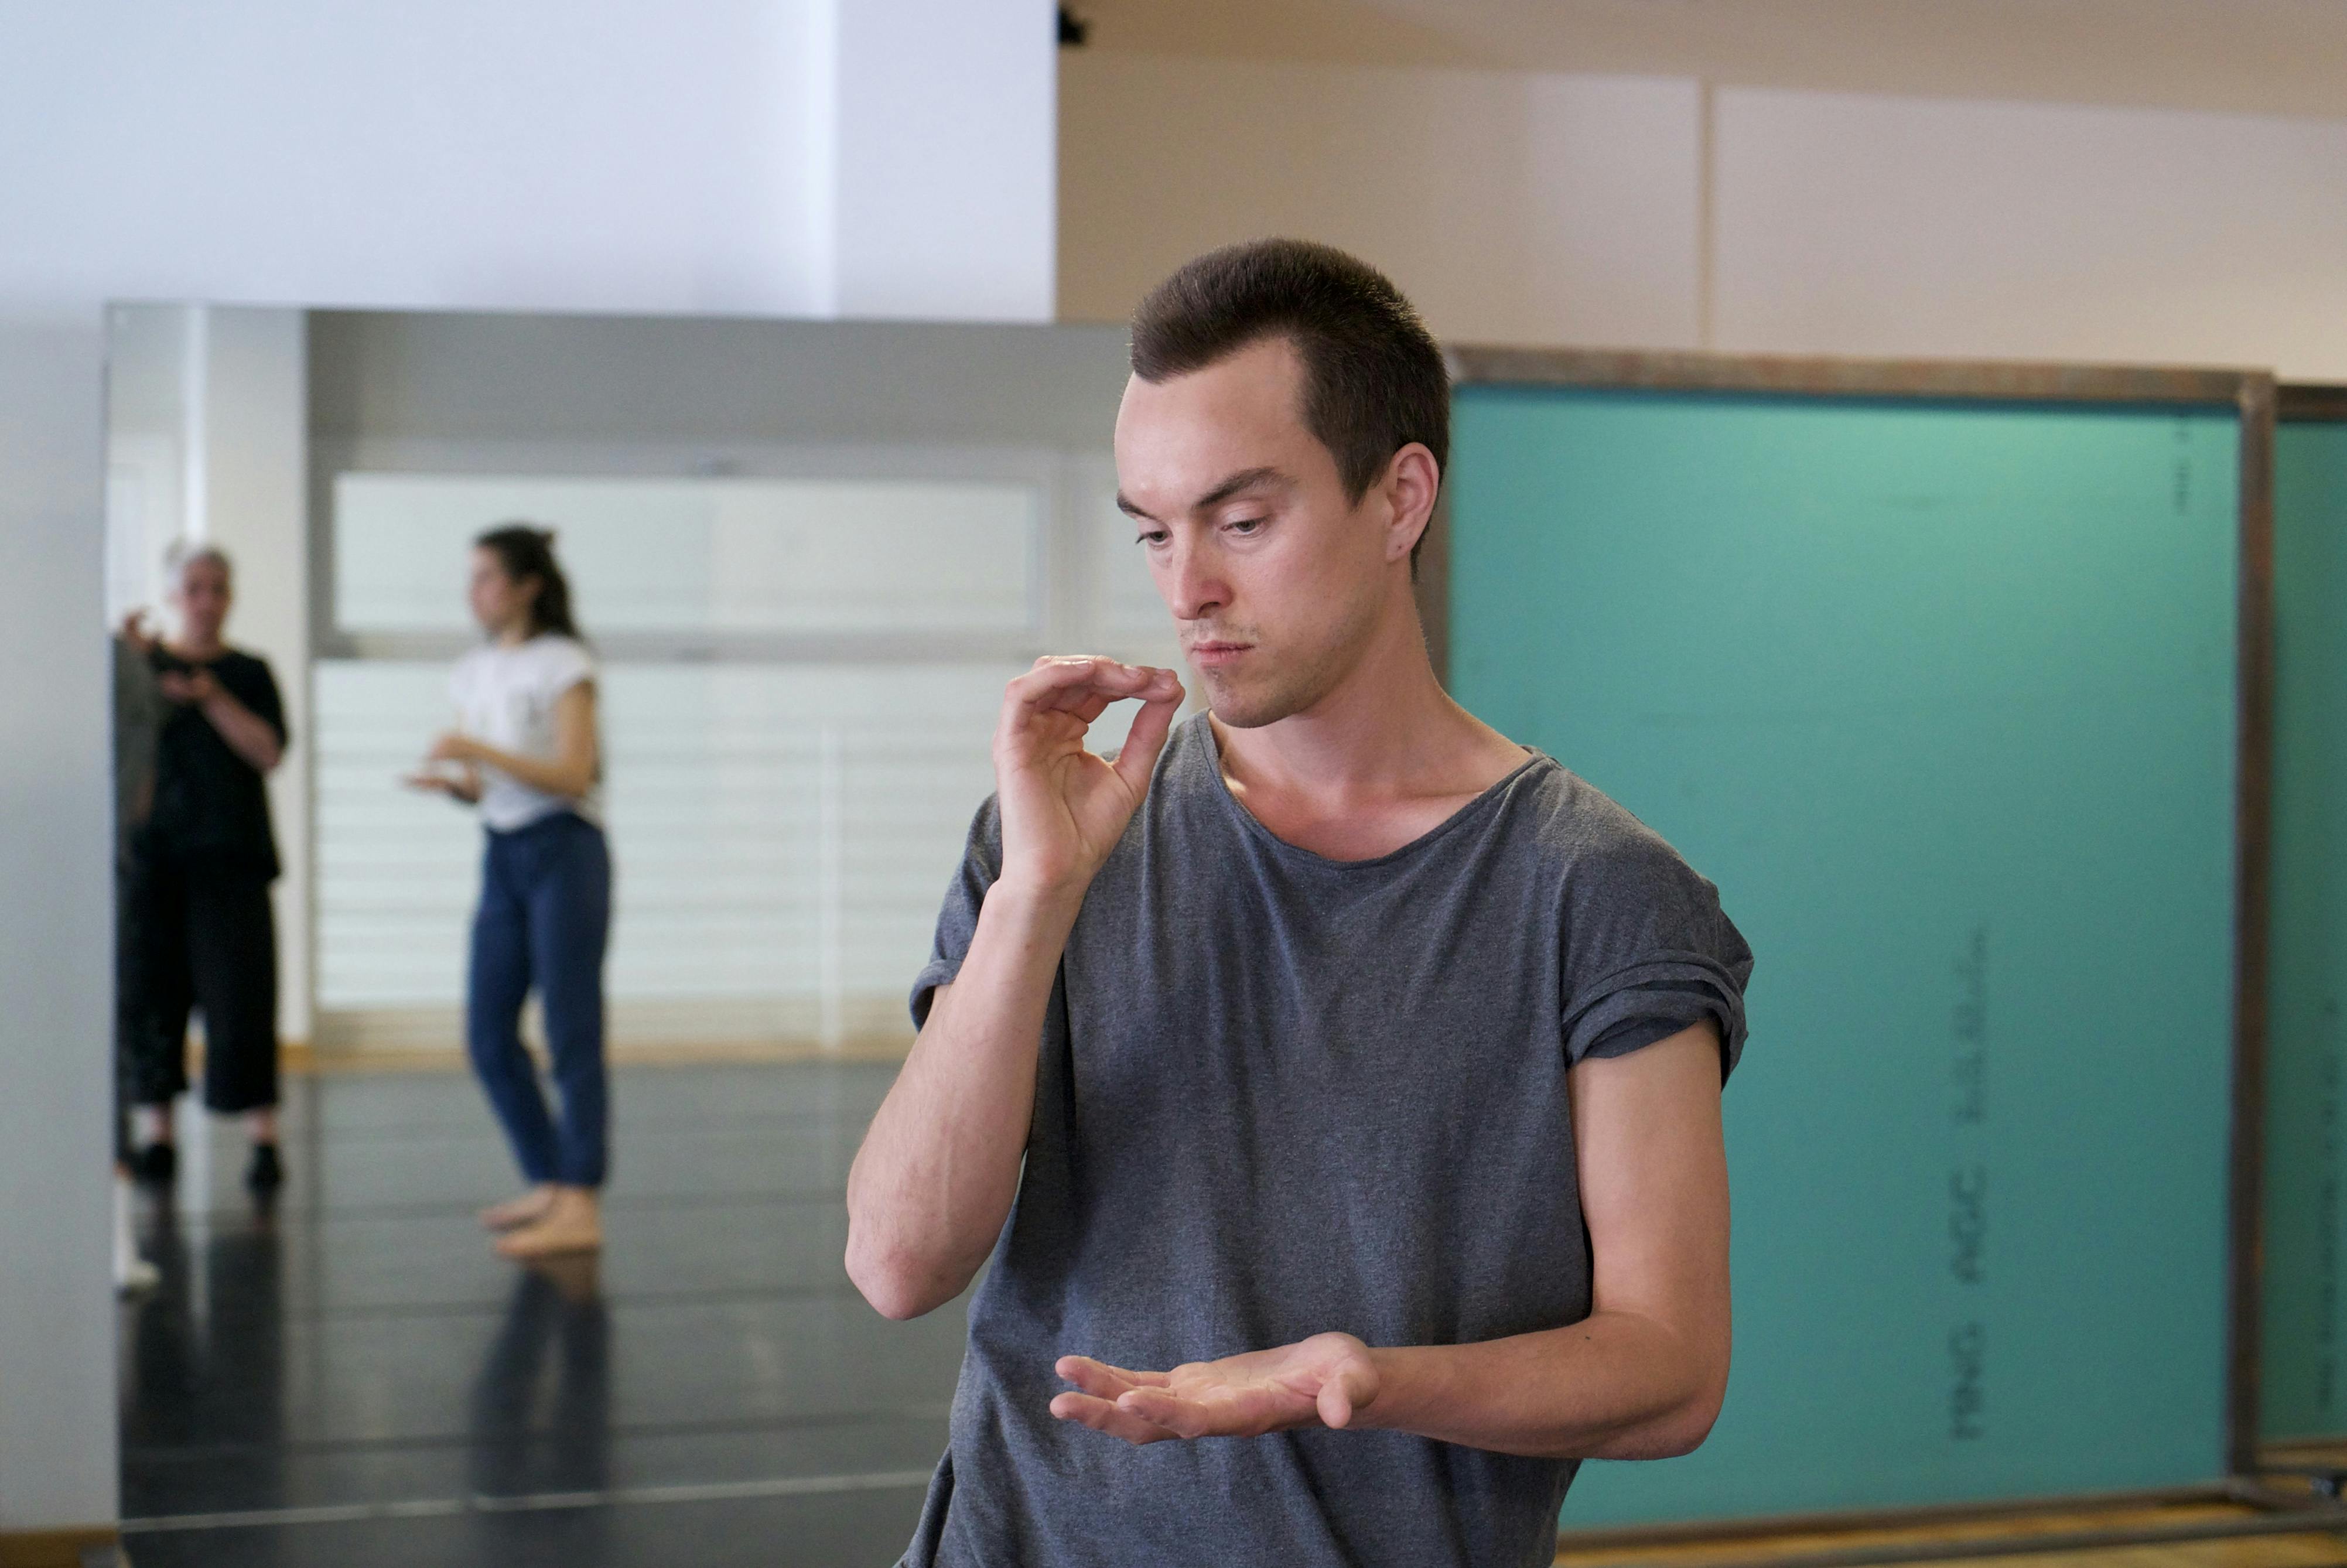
pixel 545 914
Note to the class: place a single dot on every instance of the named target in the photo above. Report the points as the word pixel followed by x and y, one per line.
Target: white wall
pixel 616 156
pixel 942 186
pixel 1525 208
pixel 531 153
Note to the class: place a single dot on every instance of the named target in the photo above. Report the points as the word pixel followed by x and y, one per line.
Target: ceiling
pixel 2256 57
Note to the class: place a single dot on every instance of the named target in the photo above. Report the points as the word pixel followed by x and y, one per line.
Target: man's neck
pixel 1386 732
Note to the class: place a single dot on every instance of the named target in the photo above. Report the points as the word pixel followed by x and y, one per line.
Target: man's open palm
pixel 1323 1381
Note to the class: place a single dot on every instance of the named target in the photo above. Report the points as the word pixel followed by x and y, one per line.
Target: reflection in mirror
pixel 804 556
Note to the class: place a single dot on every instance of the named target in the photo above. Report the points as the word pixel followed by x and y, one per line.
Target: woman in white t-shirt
pixel 527 753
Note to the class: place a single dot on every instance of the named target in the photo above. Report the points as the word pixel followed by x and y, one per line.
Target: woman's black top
pixel 210 805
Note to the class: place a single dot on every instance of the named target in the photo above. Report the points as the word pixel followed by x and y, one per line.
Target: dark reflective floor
pixel 352 1378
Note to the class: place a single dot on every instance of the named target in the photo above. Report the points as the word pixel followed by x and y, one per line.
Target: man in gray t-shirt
pixel 1333 1083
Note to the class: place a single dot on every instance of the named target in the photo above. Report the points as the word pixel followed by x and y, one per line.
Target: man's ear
pixel 1410 483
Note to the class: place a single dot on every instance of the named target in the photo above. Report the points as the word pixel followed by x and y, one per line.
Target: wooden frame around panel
pixel 2307 404
pixel 2253 393
pixel 2312 404
pixel 2262 1512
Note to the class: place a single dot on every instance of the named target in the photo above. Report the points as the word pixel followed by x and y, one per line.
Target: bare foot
pixel 572 1223
pixel 528 1207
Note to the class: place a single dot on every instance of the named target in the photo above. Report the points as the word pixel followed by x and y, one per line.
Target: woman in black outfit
pixel 201 870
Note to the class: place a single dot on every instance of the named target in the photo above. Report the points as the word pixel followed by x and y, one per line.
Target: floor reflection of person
pixel 526 1438
pixel 526 754
pixel 199 874
pixel 205 1362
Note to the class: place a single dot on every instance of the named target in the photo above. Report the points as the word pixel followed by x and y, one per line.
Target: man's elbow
pixel 893 1283
pixel 1676 1426
pixel 1685 1430
pixel 892 1298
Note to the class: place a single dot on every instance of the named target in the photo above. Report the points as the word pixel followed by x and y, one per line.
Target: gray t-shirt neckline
pixel 1490 794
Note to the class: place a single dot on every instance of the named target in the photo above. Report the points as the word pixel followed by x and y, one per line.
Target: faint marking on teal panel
pixel 2305 1314
pixel 1942 698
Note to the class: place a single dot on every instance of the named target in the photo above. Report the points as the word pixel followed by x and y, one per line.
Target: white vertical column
pixel 195 444
pixel 248 436
pixel 942 158
pixel 56 933
pixel 146 380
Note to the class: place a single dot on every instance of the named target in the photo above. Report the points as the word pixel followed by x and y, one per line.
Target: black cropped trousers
pixel 200 938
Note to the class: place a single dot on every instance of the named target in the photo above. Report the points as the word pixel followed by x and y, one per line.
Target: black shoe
pixel 266 1174
pixel 156 1164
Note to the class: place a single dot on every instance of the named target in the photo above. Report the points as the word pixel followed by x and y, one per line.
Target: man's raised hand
pixel 1324 1381
pixel 1063 807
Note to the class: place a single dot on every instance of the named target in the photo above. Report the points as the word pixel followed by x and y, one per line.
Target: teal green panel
pixel 1942 698
pixel 2305 1315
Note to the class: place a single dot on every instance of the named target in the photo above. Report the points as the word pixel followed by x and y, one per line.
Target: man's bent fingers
pixel 1057 674
pixel 1100 1381
pixel 1147 738
pixel 1069 686
pixel 1099 1377
pixel 1103 1417
pixel 1184 1417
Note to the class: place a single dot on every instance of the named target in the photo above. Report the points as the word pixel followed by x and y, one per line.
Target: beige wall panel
pixel 1905 226
pixel 1512 207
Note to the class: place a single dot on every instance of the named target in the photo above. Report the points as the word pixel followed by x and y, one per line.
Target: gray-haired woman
pixel 201 869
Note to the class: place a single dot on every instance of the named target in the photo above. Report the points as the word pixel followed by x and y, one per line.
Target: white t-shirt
pixel 505 697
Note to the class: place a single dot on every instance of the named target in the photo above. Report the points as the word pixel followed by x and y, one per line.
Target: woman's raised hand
pixel 464 786
pixel 1063 807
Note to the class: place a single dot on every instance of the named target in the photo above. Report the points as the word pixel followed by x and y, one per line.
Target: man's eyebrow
pixel 1245 479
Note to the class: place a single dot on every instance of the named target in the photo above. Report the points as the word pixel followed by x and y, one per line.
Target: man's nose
pixel 1192 583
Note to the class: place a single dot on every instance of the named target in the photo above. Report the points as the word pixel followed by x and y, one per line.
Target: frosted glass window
pixel 700 556
pixel 1129 607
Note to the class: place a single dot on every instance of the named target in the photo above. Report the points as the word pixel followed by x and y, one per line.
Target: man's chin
pixel 1244 709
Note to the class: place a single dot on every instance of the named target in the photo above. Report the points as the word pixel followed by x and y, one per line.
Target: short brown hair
pixel 1373 378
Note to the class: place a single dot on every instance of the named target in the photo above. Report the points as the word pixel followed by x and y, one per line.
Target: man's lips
pixel 1218 652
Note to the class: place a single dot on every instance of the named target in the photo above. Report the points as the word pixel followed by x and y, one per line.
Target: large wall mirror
pixel 808 555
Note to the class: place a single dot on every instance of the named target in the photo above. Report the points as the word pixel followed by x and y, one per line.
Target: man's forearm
pixel 1617 1385
pixel 934 1181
